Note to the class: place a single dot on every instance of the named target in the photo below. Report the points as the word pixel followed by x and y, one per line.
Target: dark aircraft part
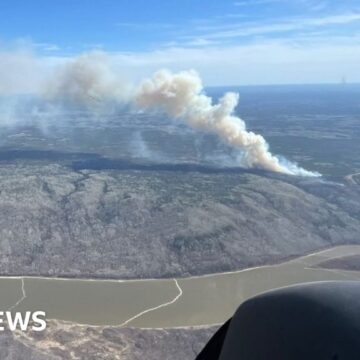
pixel 315 321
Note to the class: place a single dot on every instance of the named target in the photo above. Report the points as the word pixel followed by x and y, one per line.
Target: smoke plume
pixel 181 97
pixel 90 81
pixel 87 80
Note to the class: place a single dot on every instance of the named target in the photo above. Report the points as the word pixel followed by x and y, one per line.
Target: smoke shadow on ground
pixel 78 161
pixel 123 164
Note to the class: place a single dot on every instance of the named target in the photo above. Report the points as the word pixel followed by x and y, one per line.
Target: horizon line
pixel 287 84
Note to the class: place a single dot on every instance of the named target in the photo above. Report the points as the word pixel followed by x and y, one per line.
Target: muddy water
pixel 163 303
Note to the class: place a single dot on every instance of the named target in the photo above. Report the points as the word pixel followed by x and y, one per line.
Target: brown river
pixel 209 299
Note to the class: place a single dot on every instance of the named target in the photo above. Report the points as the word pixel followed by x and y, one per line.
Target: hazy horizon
pixel 229 43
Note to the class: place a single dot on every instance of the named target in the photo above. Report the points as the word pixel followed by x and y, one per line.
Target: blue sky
pixel 250 41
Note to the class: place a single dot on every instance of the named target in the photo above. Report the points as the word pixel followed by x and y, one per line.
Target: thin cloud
pixel 249 29
pixel 319 6
pixel 311 4
pixel 255 2
pixel 47 46
pixel 141 26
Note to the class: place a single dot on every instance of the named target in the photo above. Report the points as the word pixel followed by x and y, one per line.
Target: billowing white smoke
pixel 181 96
